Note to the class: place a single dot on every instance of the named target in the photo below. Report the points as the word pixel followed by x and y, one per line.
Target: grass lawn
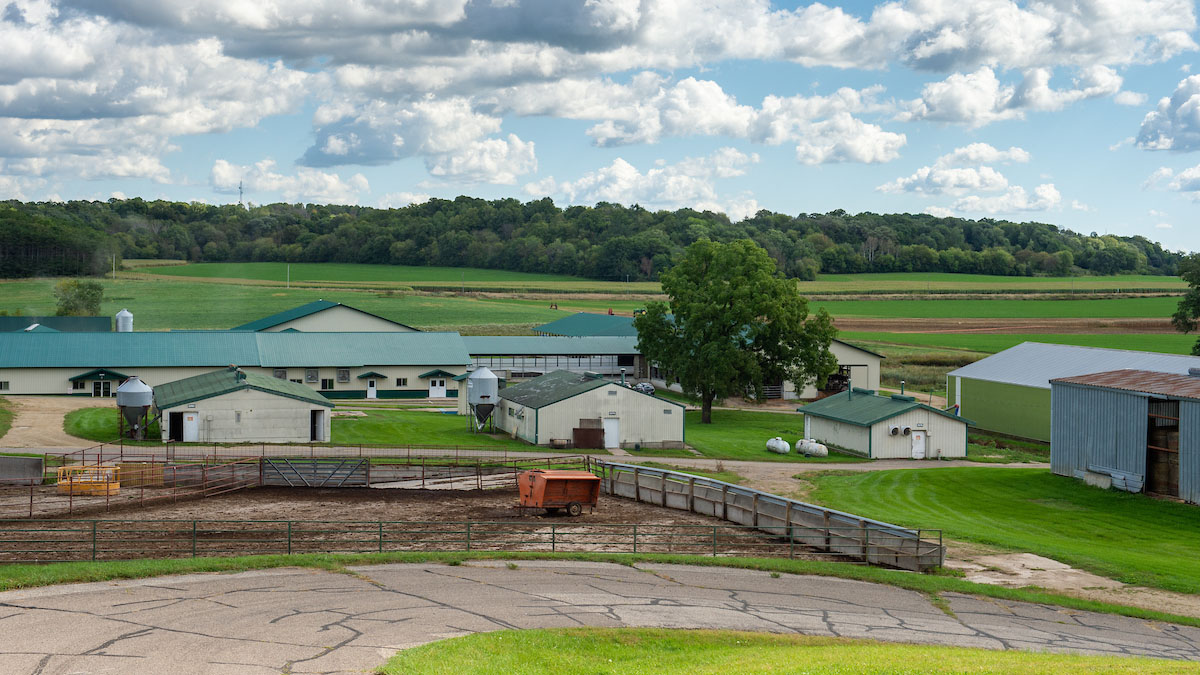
pixel 6 416
pixel 743 434
pixel 634 651
pixel 100 425
pixel 1167 343
pixel 994 449
pixel 1128 537
pixel 416 427
pixel 1105 308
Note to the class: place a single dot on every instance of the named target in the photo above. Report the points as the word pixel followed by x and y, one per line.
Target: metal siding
pixel 841 434
pixel 1189 451
pixel 1097 427
pixel 642 417
pixel 944 437
pixel 1006 408
pixel 1034 364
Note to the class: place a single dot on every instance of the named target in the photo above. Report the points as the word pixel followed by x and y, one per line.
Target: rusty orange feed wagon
pixel 559 489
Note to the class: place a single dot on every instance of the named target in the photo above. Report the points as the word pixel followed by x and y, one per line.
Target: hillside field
pixel 991 343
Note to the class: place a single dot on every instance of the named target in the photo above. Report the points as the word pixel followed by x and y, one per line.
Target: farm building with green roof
pixel 885 427
pixel 565 409
pixel 233 406
pixel 325 316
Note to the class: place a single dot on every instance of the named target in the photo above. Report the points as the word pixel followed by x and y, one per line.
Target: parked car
pixel 644 387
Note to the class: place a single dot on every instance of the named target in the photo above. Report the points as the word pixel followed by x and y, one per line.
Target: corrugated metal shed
pixel 586 323
pixel 551 388
pixel 302 311
pixel 1034 364
pixel 66 324
pixel 864 408
pixel 549 345
pixel 208 385
pixel 1144 381
pixel 221 348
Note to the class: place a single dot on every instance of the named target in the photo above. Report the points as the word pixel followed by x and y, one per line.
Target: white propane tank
pixel 811 448
pixel 778 445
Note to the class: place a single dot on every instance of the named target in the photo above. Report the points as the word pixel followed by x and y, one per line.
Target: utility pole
pixel 240 195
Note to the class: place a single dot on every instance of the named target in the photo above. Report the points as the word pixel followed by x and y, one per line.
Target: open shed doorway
pixel 1162 448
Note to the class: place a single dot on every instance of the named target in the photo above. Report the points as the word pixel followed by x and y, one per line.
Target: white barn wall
pixel 841 434
pixel 864 371
pixel 339 319
pixel 265 418
pixel 642 419
pixel 945 437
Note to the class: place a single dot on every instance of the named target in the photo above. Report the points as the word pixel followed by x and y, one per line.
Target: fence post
pixel 93 541
pixel 791 541
pixel 468 535
pixel 635 538
pixel 692 494
pixel 381 536
pixel 663 484
pixel 754 513
pixel 289 537
pixel 553 539
pixel 827 542
pixel 862 525
pixel 193 539
pixel 714 541
pixel 724 502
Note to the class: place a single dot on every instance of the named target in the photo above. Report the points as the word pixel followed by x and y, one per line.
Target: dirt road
pixel 39 421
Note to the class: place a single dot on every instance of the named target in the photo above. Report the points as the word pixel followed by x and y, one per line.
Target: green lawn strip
pixel 982 283
pixel 995 449
pixel 637 651
pixel 1105 308
pixel 660 452
pixel 1167 343
pixel 349 272
pixel 14 576
pixel 100 424
pixel 743 434
pixel 724 476
pixel 6 416
pixel 1128 537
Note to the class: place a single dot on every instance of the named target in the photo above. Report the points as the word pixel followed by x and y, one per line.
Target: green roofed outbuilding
pixel 322 316
pixel 585 411
pixel 586 323
pixel 885 427
pixel 234 406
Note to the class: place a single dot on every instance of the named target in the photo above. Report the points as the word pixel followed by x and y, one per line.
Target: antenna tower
pixel 240 194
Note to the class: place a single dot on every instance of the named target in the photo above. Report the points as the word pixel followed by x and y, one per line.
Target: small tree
pixel 734 324
pixel 78 298
pixel 1188 312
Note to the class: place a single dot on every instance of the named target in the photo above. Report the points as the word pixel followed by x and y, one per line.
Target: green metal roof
pixel 226 380
pixel 551 388
pixel 40 328
pixel 99 374
pixel 370 373
pixel 436 372
pixel 66 324
pixel 586 323
pixel 862 407
pixel 221 348
pixel 549 345
pixel 303 311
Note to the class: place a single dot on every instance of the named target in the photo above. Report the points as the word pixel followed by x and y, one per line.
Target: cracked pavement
pixel 312 621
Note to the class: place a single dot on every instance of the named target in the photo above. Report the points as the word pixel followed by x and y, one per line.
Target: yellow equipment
pixel 89 480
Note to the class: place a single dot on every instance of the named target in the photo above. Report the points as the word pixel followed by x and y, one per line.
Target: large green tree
pixel 78 298
pixel 734 324
pixel 1188 313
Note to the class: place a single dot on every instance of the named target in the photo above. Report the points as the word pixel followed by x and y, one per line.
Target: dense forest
pixel 607 241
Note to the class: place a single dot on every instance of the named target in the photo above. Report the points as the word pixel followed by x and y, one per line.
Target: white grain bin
pixel 779 446
pixel 483 391
pixel 124 321
pixel 134 399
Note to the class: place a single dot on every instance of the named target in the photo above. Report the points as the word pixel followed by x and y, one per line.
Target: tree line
pixel 605 241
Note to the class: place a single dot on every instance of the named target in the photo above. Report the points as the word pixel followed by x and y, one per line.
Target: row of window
pixel 313 376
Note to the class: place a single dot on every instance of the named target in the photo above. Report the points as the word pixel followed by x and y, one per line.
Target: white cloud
pixel 1155 179
pixel 1016 199
pixel 1186 181
pixel 1077 205
pixel 1156 213
pixel 1163 226
pixel 1129 98
pixel 939 211
pixel 306 185
pixel 688 183
pixel 843 138
pixel 960 171
pixel 493 160
pixel 1175 123
pixel 394 200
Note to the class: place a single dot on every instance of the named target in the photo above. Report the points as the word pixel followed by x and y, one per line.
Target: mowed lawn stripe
pixel 1166 343
pixel 1108 308
pixel 1128 537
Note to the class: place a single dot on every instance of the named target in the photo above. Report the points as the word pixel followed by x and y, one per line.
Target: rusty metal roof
pixel 1142 381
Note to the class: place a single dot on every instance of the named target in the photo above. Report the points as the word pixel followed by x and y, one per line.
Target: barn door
pixel 612 432
pixel 918 444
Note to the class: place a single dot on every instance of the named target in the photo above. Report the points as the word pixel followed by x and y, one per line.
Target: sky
pixel 1080 113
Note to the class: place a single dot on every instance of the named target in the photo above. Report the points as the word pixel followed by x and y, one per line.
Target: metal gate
pixel 296 472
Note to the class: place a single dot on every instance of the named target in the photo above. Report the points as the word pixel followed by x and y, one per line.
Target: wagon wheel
pixel 574 509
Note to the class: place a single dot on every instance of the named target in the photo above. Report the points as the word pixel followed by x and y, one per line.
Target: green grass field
pixel 101 425
pixel 6 416
pixel 723 476
pixel 1167 343
pixel 743 434
pixel 1128 537
pixel 399 428
pixel 908 282
pixel 637 651
pixel 1003 308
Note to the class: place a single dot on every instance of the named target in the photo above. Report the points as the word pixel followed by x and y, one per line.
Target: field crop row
pixel 991 343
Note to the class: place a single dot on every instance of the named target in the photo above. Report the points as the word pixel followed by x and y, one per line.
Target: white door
pixel 437 388
pixel 370 388
pixel 612 432
pixel 918 445
pixel 191 427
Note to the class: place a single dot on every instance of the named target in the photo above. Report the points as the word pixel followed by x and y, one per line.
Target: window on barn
pixel 78 384
pixel 3 386
pixel 280 373
pixel 401 381
pixel 666 411
pixel 311 375
pixel 296 381
pixel 326 384
pixel 625 360
pixel 343 375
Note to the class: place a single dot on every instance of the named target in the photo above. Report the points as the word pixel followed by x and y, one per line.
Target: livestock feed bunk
pixel 44 523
